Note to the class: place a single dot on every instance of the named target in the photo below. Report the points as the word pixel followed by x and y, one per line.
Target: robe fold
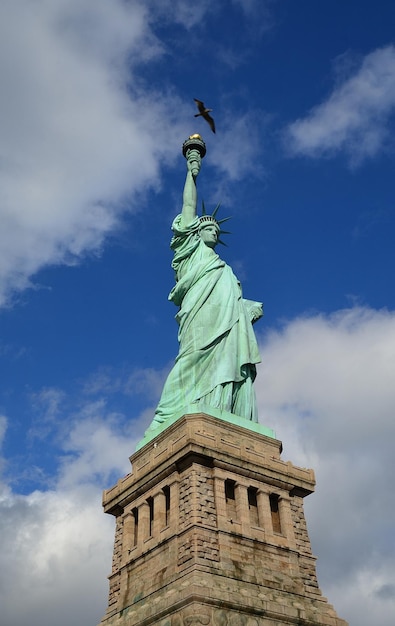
pixel 218 351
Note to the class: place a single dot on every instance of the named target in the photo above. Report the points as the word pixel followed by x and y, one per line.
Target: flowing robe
pixel 215 366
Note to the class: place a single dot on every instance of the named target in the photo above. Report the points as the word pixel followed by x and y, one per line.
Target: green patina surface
pixel 216 364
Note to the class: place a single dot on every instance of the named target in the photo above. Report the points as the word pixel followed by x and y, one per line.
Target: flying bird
pixel 204 113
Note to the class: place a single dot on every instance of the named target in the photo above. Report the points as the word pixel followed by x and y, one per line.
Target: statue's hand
pixel 256 312
pixel 255 309
pixel 194 162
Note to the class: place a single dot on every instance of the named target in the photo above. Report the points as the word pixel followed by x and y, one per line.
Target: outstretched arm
pixel 189 198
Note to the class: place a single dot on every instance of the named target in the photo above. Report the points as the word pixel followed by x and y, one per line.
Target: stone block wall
pixel 210 523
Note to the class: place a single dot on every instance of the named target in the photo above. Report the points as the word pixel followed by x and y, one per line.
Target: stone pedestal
pixel 210 530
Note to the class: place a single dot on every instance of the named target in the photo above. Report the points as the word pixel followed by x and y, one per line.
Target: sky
pixel 96 101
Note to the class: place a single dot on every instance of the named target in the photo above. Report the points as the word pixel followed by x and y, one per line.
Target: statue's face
pixel 209 234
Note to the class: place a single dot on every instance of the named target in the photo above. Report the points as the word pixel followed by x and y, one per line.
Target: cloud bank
pixel 354 119
pixel 56 544
pixel 326 386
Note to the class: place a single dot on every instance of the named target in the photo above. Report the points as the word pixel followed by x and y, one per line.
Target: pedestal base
pixel 210 530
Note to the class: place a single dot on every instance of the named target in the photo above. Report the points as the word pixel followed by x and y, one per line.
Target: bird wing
pixel 200 105
pixel 210 120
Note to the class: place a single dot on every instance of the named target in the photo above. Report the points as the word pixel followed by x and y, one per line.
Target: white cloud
pixel 355 116
pixel 3 428
pixel 238 156
pixel 56 545
pixel 259 12
pixel 145 382
pixel 46 407
pixel 81 135
pixel 109 447
pixel 185 13
pixel 55 552
pixel 326 387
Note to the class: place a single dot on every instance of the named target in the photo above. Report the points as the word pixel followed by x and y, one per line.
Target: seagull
pixel 204 113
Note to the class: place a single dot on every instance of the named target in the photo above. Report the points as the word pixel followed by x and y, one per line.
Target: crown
pixel 211 219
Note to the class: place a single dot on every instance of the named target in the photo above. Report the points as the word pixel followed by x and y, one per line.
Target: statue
pixel 216 363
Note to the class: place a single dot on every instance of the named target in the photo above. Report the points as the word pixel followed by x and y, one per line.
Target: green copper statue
pixel 215 366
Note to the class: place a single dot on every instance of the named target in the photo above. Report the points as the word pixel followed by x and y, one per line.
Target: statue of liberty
pixel 218 352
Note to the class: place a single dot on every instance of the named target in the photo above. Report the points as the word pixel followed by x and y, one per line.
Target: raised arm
pixel 189 198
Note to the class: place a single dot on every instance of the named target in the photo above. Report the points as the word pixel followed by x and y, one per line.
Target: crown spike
pixel 205 218
pixel 216 209
pixel 225 219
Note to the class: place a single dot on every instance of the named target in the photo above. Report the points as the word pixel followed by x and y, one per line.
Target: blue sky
pixel 97 99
